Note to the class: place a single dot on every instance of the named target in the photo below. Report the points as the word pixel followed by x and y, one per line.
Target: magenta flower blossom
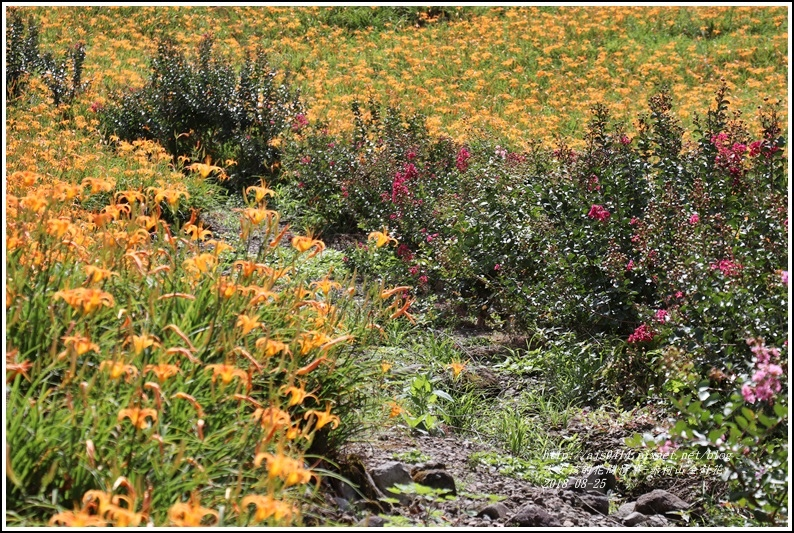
pixel 727 267
pixel 630 265
pixel 784 277
pixel 642 334
pixel 462 160
pixel 300 122
pixel 662 316
pixel 694 219
pixel 598 212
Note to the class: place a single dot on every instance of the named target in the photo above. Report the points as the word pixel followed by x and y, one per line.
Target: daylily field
pixel 225 226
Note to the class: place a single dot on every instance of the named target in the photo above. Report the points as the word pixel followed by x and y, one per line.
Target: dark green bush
pixel 22 52
pixel 205 108
pixel 23 59
pixel 362 17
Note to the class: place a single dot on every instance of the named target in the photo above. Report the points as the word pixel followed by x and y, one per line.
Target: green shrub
pixel 63 78
pixel 205 108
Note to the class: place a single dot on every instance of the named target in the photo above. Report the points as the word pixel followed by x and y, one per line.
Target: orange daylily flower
pixel 226 372
pixel 260 193
pixel 323 417
pixel 381 238
pixel 79 518
pixel 271 347
pixel 96 274
pixel 404 311
pixel 218 247
pixel 98 185
pixel 141 342
pixel 261 294
pixel 34 202
pixel 395 409
pixel 205 169
pixel 200 264
pixel 391 292
pixel 226 289
pixel 130 196
pixel 79 344
pixel 138 416
pixel 257 216
pixel 304 244
pixel 162 371
pixel 281 466
pixel 272 419
pixel 57 227
pixel 171 196
pixel 247 323
pixel 87 299
pixel 325 285
pixel 277 239
pixel 66 191
pixel 197 233
pixel 312 339
pixel 116 210
pixel 456 367
pixel 267 506
pixel 190 514
pixel 297 394
pixel 14 369
pixel 118 369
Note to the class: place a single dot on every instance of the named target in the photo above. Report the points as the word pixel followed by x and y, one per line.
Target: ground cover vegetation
pixel 616 187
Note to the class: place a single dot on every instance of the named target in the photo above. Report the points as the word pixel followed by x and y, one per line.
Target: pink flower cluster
pixel 662 316
pixel 642 334
pixel 592 184
pixel 598 212
pixel 404 253
pixel 300 122
pixel 462 160
pixel 729 156
pixel 727 267
pixel 765 383
pixel 668 447
pixel 399 189
pixel 694 219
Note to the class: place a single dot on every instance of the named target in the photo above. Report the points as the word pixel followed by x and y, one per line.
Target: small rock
pixel 495 511
pixel 634 518
pixel 656 521
pixel 531 515
pixel 342 503
pixel 594 503
pixel 430 465
pixel 344 490
pixel 371 521
pixel 437 479
pixel 392 473
pixel 659 501
pixel 625 510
